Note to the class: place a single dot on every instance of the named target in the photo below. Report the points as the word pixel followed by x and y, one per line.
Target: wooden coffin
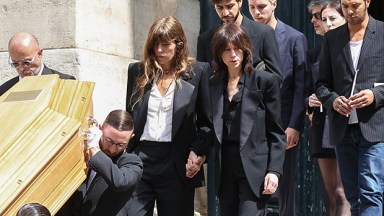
pixel 41 141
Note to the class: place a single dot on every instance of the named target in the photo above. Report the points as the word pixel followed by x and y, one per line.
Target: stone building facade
pixel 93 40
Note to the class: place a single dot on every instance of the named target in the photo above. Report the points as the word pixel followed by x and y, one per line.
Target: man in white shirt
pixel 351 81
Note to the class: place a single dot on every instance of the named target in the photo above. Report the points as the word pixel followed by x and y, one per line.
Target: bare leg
pixel 343 207
pixel 328 170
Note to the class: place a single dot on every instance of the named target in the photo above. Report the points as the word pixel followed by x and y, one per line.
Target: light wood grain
pixel 41 143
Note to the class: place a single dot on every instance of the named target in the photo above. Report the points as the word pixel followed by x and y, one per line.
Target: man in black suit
pixel 113 173
pixel 350 86
pixel 265 50
pixel 25 55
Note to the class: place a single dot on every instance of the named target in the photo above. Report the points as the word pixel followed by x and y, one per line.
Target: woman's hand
pixel 271 182
pixel 313 101
pixel 194 163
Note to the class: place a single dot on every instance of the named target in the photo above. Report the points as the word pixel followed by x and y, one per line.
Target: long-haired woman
pixel 168 96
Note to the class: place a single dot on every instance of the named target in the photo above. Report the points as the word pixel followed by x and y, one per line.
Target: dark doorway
pixel 376 9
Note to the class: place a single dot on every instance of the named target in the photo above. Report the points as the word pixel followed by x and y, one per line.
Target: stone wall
pixel 92 40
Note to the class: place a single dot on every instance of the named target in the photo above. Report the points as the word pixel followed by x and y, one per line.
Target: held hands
pixel 345 105
pixel 194 163
pixel 271 182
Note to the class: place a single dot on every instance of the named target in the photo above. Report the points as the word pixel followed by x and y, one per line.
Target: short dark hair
pixel 33 209
pixel 314 3
pixel 218 1
pixel 236 35
pixel 121 120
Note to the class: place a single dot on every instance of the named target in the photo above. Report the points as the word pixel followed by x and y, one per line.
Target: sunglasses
pixel 317 15
pixel 25 63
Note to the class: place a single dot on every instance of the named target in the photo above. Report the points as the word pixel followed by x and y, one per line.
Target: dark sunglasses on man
pixel 317 15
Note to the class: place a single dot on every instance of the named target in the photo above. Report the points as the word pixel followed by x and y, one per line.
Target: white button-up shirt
pixel 158 126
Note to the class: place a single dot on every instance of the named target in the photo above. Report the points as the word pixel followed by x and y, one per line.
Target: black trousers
pixel 287 184
pixel 161 183
pixel 235 195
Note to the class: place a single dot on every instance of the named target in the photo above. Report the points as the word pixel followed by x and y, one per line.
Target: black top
pixel 232 109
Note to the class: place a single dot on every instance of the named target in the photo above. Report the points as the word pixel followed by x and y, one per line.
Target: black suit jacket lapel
pixel 347 49
pixel 246 23
pixel 280 32
pixel 368 42
pixel 46 70
pixel 140 111
pixel 217 86
pixel 249 105
pixel 181 99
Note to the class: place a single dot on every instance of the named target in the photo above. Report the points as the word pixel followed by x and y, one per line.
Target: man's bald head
pixel 24 46
pixel 23 40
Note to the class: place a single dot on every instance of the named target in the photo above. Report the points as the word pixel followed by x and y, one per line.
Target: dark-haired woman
pixel 249 141
pixel 320 146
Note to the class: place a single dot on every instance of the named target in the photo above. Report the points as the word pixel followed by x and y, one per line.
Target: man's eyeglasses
pixel 317 15
pixel 25 63
pixel 111 143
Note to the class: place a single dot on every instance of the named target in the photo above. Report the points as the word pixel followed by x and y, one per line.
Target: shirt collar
pixel 39 74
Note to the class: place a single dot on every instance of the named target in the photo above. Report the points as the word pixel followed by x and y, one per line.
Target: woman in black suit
pixel 168 96
pixel 250 141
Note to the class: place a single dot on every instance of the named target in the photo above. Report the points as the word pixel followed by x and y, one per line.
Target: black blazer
pixel 262 138
pixel 316 130
pixel 191 120
pixel 8 84
pixel 264 45
pixel 336 78
pixel 110 190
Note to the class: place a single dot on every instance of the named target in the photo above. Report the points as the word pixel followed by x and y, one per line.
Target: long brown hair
pixel 231 34
pixel 163 30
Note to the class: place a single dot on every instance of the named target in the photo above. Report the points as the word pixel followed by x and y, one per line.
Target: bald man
pixel 25 55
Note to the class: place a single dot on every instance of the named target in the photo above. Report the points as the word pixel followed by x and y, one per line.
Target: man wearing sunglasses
pixel 25 55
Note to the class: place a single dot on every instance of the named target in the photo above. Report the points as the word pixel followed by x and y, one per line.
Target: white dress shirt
pixel 158 126
pixel 355 53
